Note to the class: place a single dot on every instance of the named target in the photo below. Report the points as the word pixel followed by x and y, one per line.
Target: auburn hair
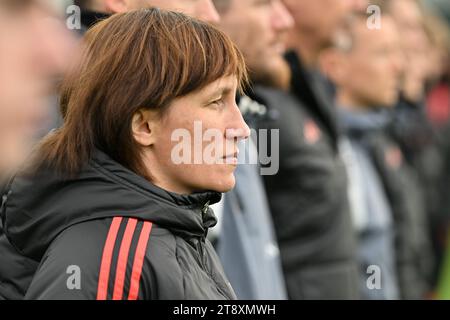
pixel 141 59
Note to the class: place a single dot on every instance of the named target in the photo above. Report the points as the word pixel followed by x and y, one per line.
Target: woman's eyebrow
pixel 221 91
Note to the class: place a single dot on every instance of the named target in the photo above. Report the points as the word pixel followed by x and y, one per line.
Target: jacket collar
pixel 109 167
pixel 363 122
pixel 41 205
pixel 315 93
pixel 89 18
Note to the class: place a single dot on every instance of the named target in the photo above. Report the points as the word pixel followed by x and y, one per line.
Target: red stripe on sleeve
pixel 123 259
pixel 105 266
pixel 139 260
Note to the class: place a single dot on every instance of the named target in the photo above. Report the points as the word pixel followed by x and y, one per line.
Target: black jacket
pixel 126 237
pixel 404 192
pixel 316 94
pixel 90 18
pixel 308 201
pixel 420 144
pixel 308 196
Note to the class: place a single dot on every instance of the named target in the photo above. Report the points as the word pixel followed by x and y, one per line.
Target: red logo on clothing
pixel 393 157
pixel 311 132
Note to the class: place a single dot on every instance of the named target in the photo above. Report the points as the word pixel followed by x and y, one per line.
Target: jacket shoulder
pixel 97 259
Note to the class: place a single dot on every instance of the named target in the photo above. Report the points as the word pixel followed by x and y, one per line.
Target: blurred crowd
pixel 357 92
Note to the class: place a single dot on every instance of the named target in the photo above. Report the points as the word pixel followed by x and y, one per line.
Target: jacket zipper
pixel 203 257
pixel 200 245
pixel 203 263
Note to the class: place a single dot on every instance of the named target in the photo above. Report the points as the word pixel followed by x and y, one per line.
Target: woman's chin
pixel 224 184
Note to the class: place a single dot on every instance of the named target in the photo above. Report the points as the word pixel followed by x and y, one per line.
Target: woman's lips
pixel 231 159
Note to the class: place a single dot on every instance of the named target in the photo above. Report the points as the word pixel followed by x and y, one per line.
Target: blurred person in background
pixel 437 24
pixel 94 10
pixel 438 95
pixel 107 181
pixel 34 49
pixel 438 34
pixel 387 202
pixel 246 241
pixel 366 70
pixel 316 23
pixel 410 127
pixel 437 104
pixel 307 195
pixel 321 177
pixel 438 111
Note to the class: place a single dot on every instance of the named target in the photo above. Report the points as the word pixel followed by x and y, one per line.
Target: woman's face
pixel 194 144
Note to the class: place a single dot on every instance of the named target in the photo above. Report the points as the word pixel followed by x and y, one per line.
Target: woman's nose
pixel 239 129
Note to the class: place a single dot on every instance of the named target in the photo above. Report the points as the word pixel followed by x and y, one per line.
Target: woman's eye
pixel 218 103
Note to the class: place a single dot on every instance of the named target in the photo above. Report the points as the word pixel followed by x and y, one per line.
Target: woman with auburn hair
pixel 106 212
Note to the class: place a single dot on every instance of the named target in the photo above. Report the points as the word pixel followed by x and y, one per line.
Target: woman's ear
pixel 144 126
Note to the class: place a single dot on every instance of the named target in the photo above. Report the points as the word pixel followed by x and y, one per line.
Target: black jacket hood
pixel 38 207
